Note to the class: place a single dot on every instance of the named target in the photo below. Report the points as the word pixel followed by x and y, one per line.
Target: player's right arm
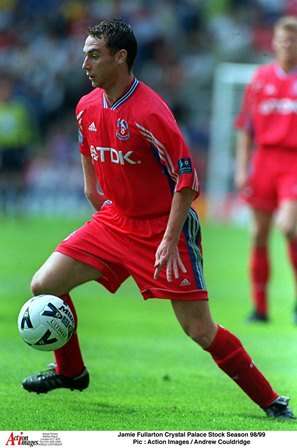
pixel 89 175
pixel 244 139
pixel 90 182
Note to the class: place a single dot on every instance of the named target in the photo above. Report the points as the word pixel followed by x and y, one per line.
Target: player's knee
pixel 40 284
pixel 37 286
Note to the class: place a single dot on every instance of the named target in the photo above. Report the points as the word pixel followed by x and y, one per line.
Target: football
pixel 46 322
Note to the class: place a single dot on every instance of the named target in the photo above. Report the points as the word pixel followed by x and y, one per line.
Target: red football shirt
pixel 269 107
pixel 138 151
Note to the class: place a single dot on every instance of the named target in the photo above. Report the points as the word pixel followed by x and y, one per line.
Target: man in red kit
pixel 268 122
pixel 131 145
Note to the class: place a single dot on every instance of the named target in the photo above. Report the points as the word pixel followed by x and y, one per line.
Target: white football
pixel 46 322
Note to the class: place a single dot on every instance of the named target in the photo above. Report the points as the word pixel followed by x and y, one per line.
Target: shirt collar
pixel 126 95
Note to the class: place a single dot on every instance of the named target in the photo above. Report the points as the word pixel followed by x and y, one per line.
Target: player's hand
pixel 167 255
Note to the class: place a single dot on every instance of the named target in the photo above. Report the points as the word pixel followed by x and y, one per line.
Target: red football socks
pixel 260 274
pixel 229 354
pixel 69 360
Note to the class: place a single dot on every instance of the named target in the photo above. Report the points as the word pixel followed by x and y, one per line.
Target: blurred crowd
pixel 180 44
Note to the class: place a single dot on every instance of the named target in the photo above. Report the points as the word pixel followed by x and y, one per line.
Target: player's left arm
pixel 167 253
pixel 175 156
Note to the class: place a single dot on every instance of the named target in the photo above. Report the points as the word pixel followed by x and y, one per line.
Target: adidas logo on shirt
pixel 92 127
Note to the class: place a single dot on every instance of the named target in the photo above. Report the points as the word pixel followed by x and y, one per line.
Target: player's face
pixel 99 63
pixel 285 46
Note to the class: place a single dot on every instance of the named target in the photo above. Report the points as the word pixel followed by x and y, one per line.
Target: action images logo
pixel 20 440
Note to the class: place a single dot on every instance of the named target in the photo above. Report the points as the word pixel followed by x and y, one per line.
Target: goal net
pixel 229 82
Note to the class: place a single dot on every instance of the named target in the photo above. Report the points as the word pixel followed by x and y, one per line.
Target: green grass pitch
pixel 145 373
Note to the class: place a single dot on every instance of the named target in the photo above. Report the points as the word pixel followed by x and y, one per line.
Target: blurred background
pixel 197 54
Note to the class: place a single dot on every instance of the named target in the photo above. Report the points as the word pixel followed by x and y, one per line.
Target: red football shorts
pixel 119 247
pixel 273 179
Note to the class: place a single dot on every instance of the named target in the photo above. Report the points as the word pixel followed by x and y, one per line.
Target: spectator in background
pixel 16 137
pixel 268 121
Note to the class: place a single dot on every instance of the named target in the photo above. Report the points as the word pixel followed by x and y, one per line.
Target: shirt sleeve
pixel 245 118
pixel 83 144
pixel 162 131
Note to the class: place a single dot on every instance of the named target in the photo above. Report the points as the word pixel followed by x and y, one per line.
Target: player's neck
pixel 288 66
pixel 117 90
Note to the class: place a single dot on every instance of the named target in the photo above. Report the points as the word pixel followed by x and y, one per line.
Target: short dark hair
pixel 118 35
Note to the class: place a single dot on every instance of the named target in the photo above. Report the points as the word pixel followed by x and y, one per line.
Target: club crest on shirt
pixel 122 132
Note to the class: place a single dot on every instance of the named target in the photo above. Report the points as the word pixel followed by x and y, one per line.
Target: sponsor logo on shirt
pixel 102 154
pixel 283 106
pixel 184 166
pixel 122 132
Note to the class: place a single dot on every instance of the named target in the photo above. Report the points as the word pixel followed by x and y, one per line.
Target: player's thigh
pixel 261 189
pixel 60 273
pixel 97 245
pixel 287 218
pixel 140 259
pixel 261 226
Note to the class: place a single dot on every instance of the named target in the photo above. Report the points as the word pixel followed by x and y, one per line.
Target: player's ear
pixel 121 56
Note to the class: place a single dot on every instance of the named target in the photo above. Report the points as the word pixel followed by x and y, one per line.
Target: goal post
pixel 229 82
